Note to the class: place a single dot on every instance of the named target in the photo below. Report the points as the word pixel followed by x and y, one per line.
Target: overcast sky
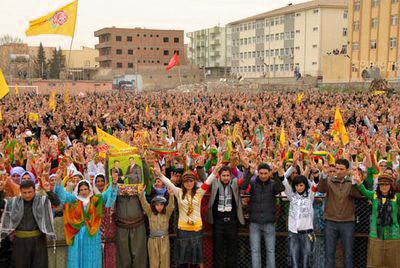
pixel 187 15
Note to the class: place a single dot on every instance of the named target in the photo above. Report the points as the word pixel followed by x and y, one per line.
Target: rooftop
pixel 295 8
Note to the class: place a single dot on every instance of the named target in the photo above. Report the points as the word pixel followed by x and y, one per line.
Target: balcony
pixel 103 58
pixel 215 30
pixel 102 45
pixel 215 42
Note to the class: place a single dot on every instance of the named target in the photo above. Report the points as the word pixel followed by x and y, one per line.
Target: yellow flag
pixel 52 101
pixel 110 140
pixel 16 90
pixel 299 98
pixel 62 22
pixel 66 94
pixel 1 116
pixel 3 86
pixel 282 138
pixel 338 128
pixel 378 92
pixel 147 108
pixel 33 117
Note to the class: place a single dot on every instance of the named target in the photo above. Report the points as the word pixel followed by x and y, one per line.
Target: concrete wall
pixel 335 68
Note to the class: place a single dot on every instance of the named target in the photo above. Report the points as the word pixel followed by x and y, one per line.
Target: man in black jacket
pixel 262 206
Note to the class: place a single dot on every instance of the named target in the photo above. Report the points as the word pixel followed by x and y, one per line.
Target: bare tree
pixel 9 39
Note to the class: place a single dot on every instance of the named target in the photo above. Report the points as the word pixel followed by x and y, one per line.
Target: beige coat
pixel 158 247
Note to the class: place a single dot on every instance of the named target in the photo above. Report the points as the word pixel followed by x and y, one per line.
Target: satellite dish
pixel 365 74
pixel 375 73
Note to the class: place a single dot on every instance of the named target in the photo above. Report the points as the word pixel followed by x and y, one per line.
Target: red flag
pixel 173 62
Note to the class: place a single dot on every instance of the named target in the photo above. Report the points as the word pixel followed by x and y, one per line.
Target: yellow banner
pixel 110 140
pixel 3 86
pixel 61 22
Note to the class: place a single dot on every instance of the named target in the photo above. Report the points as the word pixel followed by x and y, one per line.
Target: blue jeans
pixel 334 231
pixel 301 248
pixel 268 231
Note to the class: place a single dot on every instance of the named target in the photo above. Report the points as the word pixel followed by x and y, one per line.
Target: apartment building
pixel 289 40
pixel 210 49
pixel 373 38
pixel 123 49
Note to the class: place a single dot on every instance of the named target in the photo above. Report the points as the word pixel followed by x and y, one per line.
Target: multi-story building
pixel 289 40
pixel 373 38
pixel 129 48
pixel 210 49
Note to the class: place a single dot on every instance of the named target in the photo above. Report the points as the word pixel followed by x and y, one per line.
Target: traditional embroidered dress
pixel 82 218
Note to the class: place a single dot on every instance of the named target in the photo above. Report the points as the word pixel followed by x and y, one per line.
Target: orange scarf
pixel 76 217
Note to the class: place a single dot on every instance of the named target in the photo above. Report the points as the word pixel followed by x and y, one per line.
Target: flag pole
pixel 70 49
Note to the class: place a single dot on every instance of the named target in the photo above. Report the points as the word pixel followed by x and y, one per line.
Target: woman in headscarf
pixel 16 174
pixel 384 231
pixel 82 217
pixel 107 227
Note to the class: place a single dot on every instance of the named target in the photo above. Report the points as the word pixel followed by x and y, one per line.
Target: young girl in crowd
pixel 301 214
pixel 189 243
pixel 158 213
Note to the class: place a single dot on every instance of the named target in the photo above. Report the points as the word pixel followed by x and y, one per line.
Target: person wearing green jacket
pixel 384 234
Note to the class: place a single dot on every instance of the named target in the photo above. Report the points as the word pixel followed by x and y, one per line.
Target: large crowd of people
pixel 208 157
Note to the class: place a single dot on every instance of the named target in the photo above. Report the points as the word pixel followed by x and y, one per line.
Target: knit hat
pixel 189 176
pixel 158 200
pixel 385 178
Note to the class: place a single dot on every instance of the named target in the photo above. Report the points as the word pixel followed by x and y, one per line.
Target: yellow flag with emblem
pixel 61 21
pixel 4 89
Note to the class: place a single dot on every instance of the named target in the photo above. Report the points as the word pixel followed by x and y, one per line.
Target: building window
pixel 158 48
pixel 276 37
pixel 138 35
pixel 344 49
pixel 357 6
pixel 119 64
pixel 130 51
pixel 118 38
pixel 292 35
pixel 298 14
pixel 314 63
pixel 151 35
pixel 144 35
pixel 138 48
pixel 176 39
pixel 176 52
pixel 375 3
pixel 374 23
pixel 165 39
pixel 355 46
pixel 281 36
pixel 394 20
pixel 356 26
pixel 297 48
pixel 267 38
pixel 130 65
pixel 314 46
pixel 144 48
pixel 315 29
pixel 151 48
pixel 393 42
pixel 344 32
pixel 373 44
pixel 297 31
pixel 345 14
pixel 315 11
pixel 395 1
pixel 158 61
pixel 166 52
pixel 119 52
pixel 353 68
pixel 129 38
pixel 281 52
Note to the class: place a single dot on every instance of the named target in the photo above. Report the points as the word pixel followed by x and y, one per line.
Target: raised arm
pixel 63 195
pixel 110 195
pixel 145 205
pixel 288 189
pixel 171 204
